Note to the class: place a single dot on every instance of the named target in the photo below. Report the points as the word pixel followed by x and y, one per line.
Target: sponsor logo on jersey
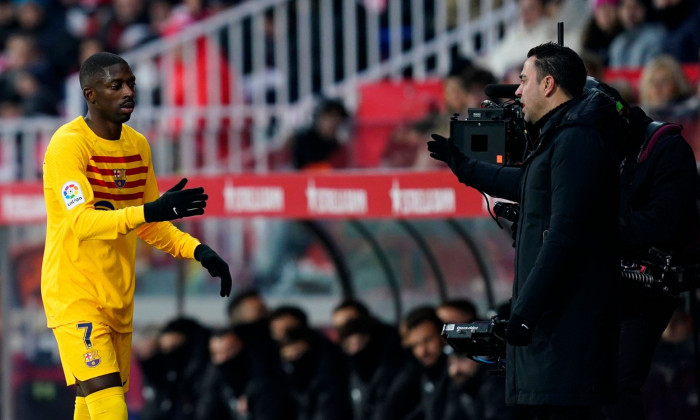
pixel 72 194
pixel 92 359
pixel 119 177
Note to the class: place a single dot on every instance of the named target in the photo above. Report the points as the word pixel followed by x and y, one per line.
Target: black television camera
pixel 495 132
pixel 663 271
pixel 481 341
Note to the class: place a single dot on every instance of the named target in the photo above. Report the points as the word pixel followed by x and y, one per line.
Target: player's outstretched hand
pixel 216 266
pixel 176 203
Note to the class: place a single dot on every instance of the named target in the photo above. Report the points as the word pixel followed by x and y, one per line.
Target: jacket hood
pixel 592 108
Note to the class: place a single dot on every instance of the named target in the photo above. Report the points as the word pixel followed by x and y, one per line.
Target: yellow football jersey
pixel 94 191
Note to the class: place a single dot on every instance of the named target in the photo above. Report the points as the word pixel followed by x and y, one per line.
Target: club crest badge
pixel 92 359
pixel 119 177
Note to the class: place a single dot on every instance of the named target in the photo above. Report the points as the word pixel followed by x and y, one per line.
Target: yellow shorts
pixel 90 349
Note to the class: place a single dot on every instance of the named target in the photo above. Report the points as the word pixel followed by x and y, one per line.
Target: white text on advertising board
pixel 253 199
pixel 421 201
pixel 336 200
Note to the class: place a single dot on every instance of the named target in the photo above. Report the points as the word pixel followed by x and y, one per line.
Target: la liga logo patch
pixel 72 194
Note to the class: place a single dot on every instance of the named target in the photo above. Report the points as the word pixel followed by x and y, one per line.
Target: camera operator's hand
pixel 176 203
pixel 446 150
pixel 518 332
pixel 216 266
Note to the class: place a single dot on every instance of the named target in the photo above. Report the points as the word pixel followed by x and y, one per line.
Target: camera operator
pixel 562 331
pixel 657 210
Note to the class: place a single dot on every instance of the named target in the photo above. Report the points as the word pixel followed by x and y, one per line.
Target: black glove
pixel 446 150
pixel 216 266
pixel 518 331
pixel 176 203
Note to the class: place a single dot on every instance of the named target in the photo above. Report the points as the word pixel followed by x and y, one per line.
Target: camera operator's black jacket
pixel 657 196
pixel 566 267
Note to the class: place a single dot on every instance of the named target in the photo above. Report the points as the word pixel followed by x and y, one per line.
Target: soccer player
pixel 101 194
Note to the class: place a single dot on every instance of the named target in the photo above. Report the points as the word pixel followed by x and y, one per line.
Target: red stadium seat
pixel 383 105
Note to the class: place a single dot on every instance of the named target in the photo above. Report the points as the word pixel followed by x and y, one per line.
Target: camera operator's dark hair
pixel 563 64
pixel 421 315
pixel 293 311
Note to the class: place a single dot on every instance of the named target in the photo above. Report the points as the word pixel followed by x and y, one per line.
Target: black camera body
pixel 493 133
pixel 478 338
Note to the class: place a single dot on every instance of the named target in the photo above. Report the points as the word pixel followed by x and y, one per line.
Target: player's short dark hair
pixel 563 64
pixel 420 315
pixel 94 66
pixel 360 307
pixel 290 310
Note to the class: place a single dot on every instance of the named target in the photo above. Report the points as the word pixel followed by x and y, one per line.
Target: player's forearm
pixel 91 224
pixel 168 238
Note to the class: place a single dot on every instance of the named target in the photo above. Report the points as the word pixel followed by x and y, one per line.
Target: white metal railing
pixel 222 93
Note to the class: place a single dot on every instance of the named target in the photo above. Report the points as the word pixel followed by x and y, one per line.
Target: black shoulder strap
pixel 653 132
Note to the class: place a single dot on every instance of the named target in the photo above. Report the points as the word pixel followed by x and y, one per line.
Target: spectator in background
pixel 474 393
pixel 158 14
pixel 573 13
pixel 670 391
pixel 681 20
pixel 346 310
pixel 405 142
pixel 350 309
pixel 534 27
pixel 423 329
pixel 26 79
pixel 375 360
pixel 126 16
pixel 36 100
pixel 173 375
pixel 88 47
pixel 8 21
pixel 53 40
pixel 640 40
pixel 285 318
pixel 322 145
pixel 665 92
pixel 456 311
pixel 239 385
pixel 317 375
pixel 464 88
pixel 250 315
pixel 247 306
pixel 602 28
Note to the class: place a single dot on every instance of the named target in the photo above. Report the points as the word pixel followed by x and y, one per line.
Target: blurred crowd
pixel 44 41
pixel 647 49
pixel 272 364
